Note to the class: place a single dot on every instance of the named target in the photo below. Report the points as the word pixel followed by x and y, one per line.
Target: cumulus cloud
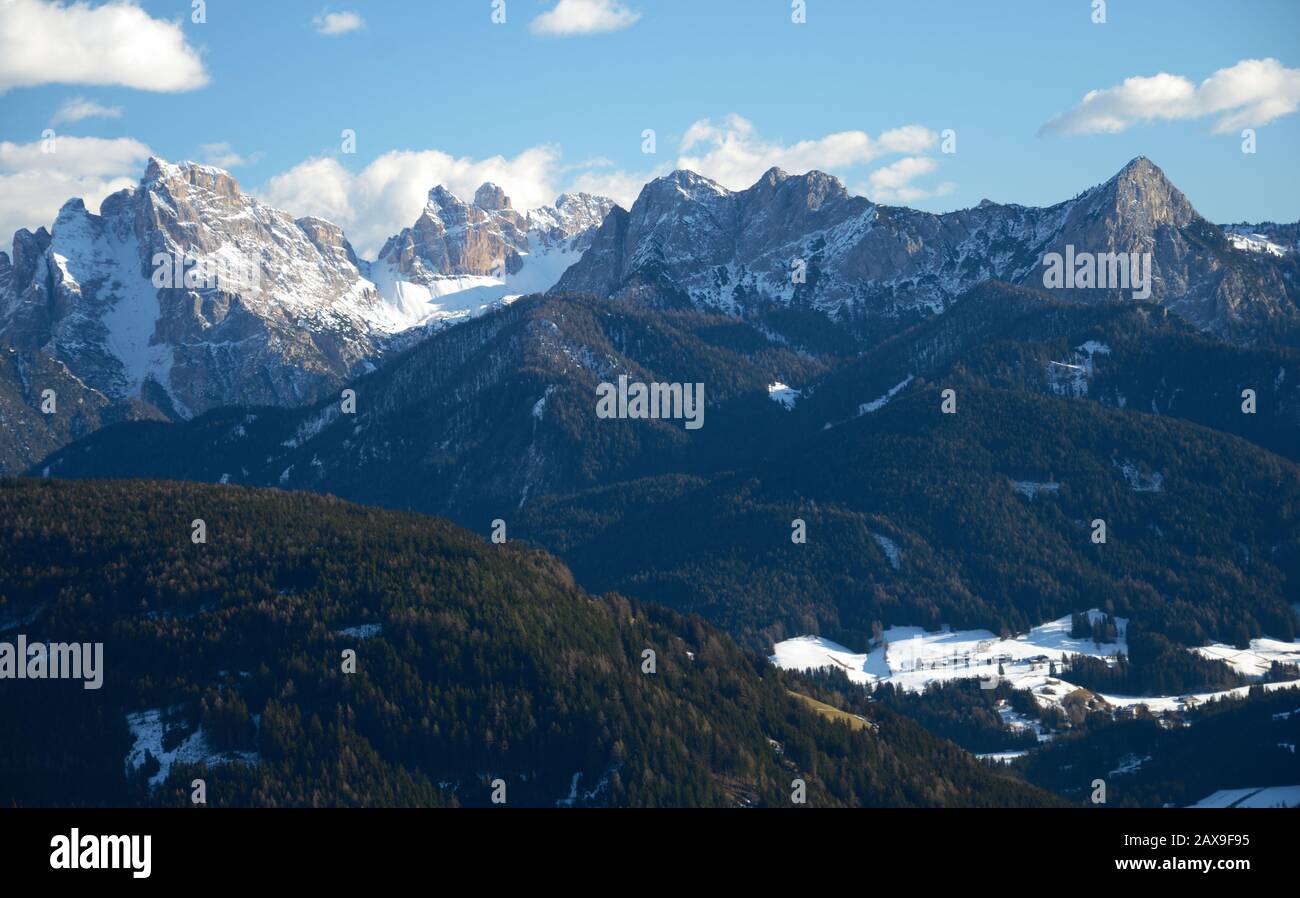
pixel 735 155
pixel 75 156
pixel 34 184
pixel 1251 93
pixel 80 108
pixel 583 17
pixel 76 43
pixel 893 182
pixel 336 23
pixel 223 155
pixel 389 193
pixel 622 187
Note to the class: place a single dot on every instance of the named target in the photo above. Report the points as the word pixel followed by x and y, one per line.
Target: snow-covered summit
pixel 188 293
pixel 804 241
pixel 460 258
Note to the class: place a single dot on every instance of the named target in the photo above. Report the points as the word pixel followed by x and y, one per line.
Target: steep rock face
pixel 189 293
pixel 459 258
pixel 1195 269
pixel 184 294
pixel 803 241
pixel 451 237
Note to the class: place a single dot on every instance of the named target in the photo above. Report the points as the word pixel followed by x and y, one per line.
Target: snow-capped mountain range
pixel 804 241
pixel 191 294
pixel 459 259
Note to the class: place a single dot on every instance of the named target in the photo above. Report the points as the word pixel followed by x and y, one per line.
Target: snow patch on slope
pixel 1256 660
pixel 782 395
pixel 148 729
pixel 1267 797
pixel 890 548
pixel 877 404
pixel 1031 489
pixel 1138 480
pixel 912 658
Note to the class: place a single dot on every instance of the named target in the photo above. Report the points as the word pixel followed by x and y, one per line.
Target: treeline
pixel 1102 629
pixel 958 710
pixel 969 715
pixel 1152 666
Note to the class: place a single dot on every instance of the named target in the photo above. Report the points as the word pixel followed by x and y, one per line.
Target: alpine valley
pixel 921 468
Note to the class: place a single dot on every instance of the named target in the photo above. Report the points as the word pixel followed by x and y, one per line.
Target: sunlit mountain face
pixel 604 404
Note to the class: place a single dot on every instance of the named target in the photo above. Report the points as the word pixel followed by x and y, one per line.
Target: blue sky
pixel 437 90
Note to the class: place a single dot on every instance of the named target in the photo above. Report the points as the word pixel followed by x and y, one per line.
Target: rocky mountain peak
pixel 491 198
pixel 572 214
pixel 329 239
pixel 678 185
pixel 1139 167
pixel 441 200
pixel 686 236
pixel 188 294
pixel 582 201
pixel 73 208
pixel 28 248
pixel 459 259
pixel 183 293
pixel 812 181
pixel 184 177
pixel 37 239
pixel 795 194
pixel 1142 194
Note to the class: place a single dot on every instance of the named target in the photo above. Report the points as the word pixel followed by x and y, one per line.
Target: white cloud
pixel 1253 92
pixel 320 187
pixel 35 184
pixel 80 108
pixel 734 155
pixel 336 23
pixel 223 155
pixel 76 43
pixel 74 156
pixel 893 183
pixel 622 187
pixel 584 17
pixel 389 193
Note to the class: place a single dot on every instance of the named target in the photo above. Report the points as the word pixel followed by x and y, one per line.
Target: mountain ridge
pixel 173 271
pixel 185 294
pixel 872 272
pixel 688 239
